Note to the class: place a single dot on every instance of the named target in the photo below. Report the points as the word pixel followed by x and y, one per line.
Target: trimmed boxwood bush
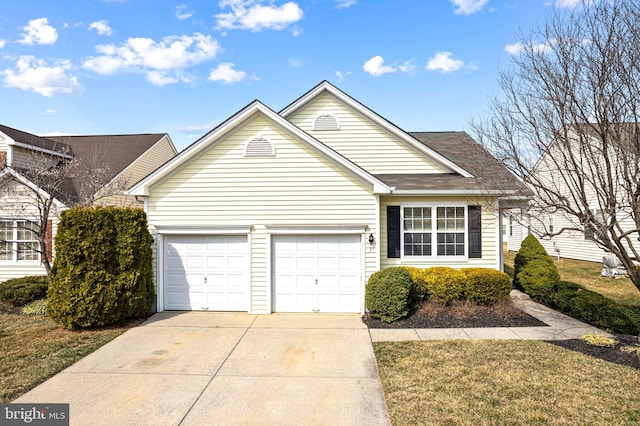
pixel 388 294
pixel 419 289
pixel 539 277
pixel 486 286
pixel 102 274
pixel 444 284
pixel 530 249
pixel 21 291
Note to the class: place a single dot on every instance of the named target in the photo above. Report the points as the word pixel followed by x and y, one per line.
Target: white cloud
pixel 342 76
pixel 468 7
pixel 183 12
pixel 255 16
pixel 408 67
pixel 514 49
pixel 2 43
pixel 443 61
pixel 102 27
pixel 343 4
pixel 518 48
pixel 567 4
pixel 36 75
pixel 225 73
pixel 296 31
pixel 161 61
pixel 38 31
pixel 295 62
pixel 49 111
pixel 376 67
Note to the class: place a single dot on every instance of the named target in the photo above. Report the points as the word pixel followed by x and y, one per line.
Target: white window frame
pixel 434 232
pixel 15 242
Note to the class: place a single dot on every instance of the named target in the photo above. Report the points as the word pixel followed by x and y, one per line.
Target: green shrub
pixel 20 291
pixel 444 284
pixel 37 307
pixel 595 309
pixel 388 294
pixel 539 277
pixel 102 274
pixel 419 289
pixel 530 249
pixel 486 286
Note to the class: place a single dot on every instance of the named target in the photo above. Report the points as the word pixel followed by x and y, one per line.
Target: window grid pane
pixel 417 231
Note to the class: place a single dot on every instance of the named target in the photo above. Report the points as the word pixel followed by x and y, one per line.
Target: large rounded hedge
pixel 102 273
pixel 388 294
pixel 444 284
pixel 21 291
pixel 486 286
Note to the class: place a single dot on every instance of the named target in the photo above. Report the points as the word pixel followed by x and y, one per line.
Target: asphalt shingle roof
pixel 489 175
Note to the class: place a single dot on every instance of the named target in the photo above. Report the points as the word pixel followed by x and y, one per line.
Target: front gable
pixel 363 136
pixel 227 184
pixel 355 136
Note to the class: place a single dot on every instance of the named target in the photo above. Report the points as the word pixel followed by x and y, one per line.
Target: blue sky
pixel 182 67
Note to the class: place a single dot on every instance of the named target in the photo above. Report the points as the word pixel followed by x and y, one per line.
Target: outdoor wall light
pixel 372 239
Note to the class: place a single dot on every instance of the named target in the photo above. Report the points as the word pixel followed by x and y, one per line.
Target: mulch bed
pixel 485 317
pixel 448 318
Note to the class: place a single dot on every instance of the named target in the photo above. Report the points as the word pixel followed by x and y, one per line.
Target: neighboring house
pixel 99 169
pixel 581 182
pixel 293 211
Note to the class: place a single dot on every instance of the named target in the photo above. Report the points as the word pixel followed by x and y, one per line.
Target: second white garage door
pixel 206 272
pixel 317 273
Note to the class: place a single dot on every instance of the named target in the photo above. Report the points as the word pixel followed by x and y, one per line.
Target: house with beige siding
pixel 292 211
pixel 94 170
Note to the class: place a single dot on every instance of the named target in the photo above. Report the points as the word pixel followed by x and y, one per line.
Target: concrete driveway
pixel 204 368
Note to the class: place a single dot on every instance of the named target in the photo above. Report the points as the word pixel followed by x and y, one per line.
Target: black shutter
pixel 393 231
pixel 475 232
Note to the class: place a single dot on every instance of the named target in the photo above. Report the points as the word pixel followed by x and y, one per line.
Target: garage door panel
pixel 317 273
pixel 206 272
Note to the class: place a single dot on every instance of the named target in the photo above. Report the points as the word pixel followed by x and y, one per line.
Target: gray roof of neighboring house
pixel 33 140
pixel 116 152
pixel 490 175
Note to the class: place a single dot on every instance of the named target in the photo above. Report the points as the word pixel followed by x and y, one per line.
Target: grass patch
pixel 587 274
pixel 34 348
pixel 511 382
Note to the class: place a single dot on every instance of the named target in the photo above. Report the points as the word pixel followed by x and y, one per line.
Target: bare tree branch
pixel 567 124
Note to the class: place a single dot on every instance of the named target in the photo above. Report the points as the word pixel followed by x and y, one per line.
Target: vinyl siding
pixel 24 158
pixel 490 254
pixel 14 207
pixel 299 186
pixel 363 142
pixel 161 152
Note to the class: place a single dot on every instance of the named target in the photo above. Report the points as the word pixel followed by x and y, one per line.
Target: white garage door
pixel 317 273
pixel 206 273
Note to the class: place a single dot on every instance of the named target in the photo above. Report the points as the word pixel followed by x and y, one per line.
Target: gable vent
pixel 259 147
pixel 326 122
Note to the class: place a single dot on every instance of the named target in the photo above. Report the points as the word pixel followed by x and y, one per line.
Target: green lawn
pixel 503 382
pixel 34 348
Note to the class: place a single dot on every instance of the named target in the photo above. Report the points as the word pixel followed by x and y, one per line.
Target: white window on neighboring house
pixel 511 226
pixel 589 233
pixel 434 231
pixel 551 224
pixel 18 241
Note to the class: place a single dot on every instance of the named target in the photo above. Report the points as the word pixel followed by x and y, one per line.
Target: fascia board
pixel 373 117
